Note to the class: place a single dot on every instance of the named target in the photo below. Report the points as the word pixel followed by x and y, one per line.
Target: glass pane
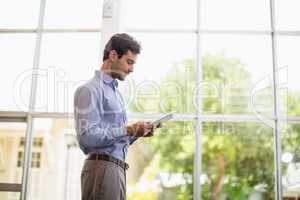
pixel 161 167
pixel 57 158
pixel 19 14
pixel 16 52
pixel 160 14
pixel 67 60
pixel 157 169
pixel 288 62
pixel 291 160
pixel 238 161
pixel 12 144
pixel 237 73
pixel 10 195
pixel 287 14
pixel 235 14
pixel 73 14
pixel 160 80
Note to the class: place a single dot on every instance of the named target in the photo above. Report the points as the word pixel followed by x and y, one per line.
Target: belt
pixel 96 156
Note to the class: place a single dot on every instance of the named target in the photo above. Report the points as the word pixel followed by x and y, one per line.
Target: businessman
pixel 101 123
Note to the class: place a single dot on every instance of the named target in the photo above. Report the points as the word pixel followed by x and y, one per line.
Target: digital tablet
pixel 163 118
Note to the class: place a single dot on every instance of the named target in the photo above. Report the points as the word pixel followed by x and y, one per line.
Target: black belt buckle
pixel 97 156
pixel 126 166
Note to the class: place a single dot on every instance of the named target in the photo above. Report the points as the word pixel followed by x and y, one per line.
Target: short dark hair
pixel 121 43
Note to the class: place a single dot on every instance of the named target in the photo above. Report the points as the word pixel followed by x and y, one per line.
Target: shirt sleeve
pixel 87 114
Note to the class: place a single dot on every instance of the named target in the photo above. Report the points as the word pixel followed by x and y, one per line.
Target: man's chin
pixel 118 76
pixel 121 77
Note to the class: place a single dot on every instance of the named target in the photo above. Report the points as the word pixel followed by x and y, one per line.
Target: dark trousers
pixel 102 180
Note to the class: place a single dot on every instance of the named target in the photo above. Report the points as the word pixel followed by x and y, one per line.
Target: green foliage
pixel 149 195
pixel 236 157
pixel 291 132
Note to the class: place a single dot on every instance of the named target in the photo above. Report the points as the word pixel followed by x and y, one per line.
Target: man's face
pixel 123 66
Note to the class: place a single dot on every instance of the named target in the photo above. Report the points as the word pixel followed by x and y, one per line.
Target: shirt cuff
pixel 132 139
pixel 119 132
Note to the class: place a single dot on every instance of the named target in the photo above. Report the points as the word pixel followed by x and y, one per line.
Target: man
pixel 101 123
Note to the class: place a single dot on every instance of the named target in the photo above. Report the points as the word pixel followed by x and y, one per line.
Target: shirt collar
pixel 106 78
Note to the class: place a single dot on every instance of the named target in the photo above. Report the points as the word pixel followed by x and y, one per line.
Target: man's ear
pixel 113 55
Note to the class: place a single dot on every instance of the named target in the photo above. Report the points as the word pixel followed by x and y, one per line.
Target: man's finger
pixel 149 125
pixel 149 134
pixel 159 125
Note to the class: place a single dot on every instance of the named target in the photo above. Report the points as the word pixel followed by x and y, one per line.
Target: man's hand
pixel 140 129
pixel 151 133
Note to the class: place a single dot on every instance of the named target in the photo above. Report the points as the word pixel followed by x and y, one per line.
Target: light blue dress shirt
pixel 100 117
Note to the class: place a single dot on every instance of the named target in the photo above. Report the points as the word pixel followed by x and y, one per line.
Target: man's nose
pixel 130 69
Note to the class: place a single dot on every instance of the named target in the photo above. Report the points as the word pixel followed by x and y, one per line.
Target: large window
pixel 16 60
pixel 73 14
pixel 239 82
pixel 154 14
pixel 289 63
pixel 19 14
pixel 161 78
pixel 59 160
pixel 235 15
pixel 287 15
pixel 67 61
pixel 238 160
pixel 230 71
pixel 10 173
